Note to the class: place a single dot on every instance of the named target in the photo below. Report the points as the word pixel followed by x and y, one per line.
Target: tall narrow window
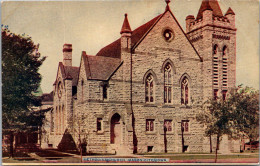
pixel 56 119
pixel 168 125
pixel 150 125
pixel 99 124
pixel 215 94
pixel 215 49
pixel 185 91
pixel 149 88
pixel 52 122
pixel 105 91
pixel 185 125
pixel 215 65
pixel 168 83
pixel 59 120
pixel 82 90
pixel 224 67
pixel 63 118
pixel 224 94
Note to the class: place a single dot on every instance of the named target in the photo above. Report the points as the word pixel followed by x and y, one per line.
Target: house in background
pixel 142 92
pixel 29 138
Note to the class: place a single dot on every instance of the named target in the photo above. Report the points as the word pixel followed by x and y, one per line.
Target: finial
pixel 167 2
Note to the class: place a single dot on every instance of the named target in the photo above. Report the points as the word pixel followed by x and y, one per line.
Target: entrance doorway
pixel 115 129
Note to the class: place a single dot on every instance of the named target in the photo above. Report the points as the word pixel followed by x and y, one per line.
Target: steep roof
pixel 126 26
pixel 210 5
pixel 100 67
pixel 69 72
pixel 114 49
pixel 230 11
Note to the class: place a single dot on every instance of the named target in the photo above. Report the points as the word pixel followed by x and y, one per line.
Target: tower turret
pixel 231 17
pixel 189 19
pixel 126 33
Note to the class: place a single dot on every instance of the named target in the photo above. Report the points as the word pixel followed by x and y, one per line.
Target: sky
pixel 91 25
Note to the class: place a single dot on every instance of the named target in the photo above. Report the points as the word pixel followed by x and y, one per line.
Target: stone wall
pixel 150 56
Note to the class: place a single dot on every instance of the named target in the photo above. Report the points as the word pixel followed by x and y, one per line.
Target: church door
pixel 115 129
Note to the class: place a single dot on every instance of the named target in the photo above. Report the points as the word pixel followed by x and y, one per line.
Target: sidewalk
pixel 180 158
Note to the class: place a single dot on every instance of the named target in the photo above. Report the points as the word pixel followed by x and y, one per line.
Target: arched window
pixel 224 50
pixel 168 83
pixel 149 88
pixel 215 49
pixel 185 91
pixel 224 66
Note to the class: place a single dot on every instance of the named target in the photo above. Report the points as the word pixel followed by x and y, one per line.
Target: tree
pixel 81 132
pixel 217 118
pixel 20 78
pixel 235 116
pixel 246 112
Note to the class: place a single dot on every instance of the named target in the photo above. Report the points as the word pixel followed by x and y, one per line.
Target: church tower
pixel 214 36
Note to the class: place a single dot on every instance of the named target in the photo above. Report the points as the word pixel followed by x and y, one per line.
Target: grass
pixel 16 154
pixel 170 153
pixel 48 153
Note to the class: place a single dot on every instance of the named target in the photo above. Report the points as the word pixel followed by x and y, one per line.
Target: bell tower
pixel 214 36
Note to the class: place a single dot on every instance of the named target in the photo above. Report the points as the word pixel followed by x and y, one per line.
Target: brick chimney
pixel 67 54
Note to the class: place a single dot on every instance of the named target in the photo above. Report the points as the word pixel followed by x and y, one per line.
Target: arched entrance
pixel 115 129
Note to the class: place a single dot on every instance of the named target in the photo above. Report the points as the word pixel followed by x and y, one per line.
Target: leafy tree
pixel 217 119
pixel 246 112
pixel 235 116
pixel 20 78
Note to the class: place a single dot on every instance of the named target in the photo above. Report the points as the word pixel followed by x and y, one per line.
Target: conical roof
pixel 230 11
pixel 210 5
pixel 126 26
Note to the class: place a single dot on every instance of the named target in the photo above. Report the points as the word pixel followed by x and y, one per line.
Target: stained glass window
pixel 168 83
pixel 149 89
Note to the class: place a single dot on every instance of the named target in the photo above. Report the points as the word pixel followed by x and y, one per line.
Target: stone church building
pixel 142 92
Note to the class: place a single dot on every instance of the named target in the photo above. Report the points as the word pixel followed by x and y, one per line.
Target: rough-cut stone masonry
pixel 111 113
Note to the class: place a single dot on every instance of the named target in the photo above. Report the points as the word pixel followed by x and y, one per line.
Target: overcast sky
pixel 91 25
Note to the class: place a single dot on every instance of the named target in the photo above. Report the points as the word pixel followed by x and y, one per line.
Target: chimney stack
pixel 67 54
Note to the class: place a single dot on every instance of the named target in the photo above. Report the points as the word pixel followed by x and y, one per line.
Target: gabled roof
pixel 210 5
pixel 114 49
pixel 68 72
pixel 100 67
pixel 72 73
pixel 139 32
